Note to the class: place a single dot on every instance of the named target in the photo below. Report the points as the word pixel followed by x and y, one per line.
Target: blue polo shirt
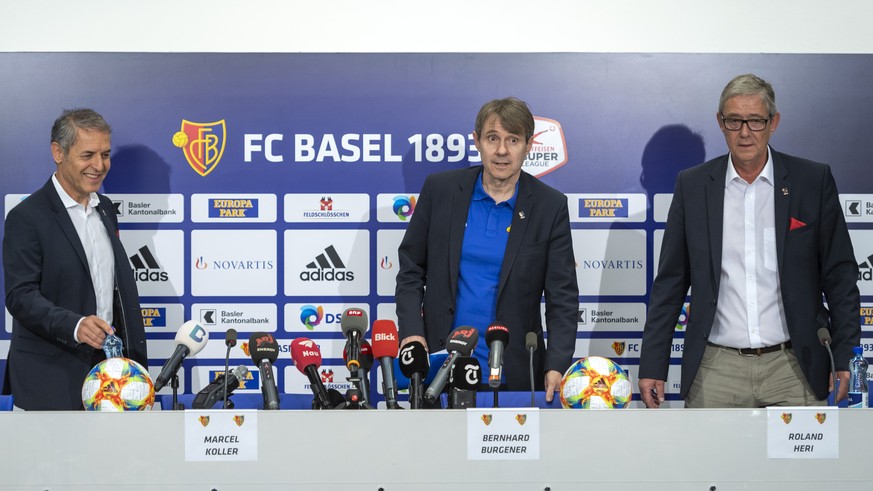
pixel 482 252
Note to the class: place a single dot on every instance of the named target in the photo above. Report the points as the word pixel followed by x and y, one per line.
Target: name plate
pixel 503 434
pixel 228 435
pixel 803 433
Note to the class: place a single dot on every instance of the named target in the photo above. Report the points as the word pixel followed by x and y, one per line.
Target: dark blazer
pixel 538 258
pixel 814 260
pixel 48 289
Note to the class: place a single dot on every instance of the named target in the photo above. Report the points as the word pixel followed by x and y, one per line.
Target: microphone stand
pixel 530 365
pixel 174 383
pixel 496 391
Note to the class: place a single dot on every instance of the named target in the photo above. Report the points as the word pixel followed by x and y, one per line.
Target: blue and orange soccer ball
pixel 118 384
pixel 595 383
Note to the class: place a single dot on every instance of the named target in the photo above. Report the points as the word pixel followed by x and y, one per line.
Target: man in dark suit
pixel 759 237
pixel 484 244
pixel 68 281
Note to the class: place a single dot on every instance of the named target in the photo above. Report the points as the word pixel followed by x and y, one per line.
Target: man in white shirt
pixel 760 238
pixel 67 278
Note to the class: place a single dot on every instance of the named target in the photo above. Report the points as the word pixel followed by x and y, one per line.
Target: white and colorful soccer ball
pixel 595 383
pixel 118 384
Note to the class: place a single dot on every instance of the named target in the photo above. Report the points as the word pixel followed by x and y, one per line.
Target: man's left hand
pixel 553 384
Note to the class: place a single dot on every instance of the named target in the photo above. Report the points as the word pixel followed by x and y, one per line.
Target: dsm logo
pixel 403 206
pixel 202 144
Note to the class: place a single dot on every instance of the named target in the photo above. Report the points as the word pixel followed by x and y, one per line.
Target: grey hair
pixel 64 129
pixel 749 84
pixel 513 114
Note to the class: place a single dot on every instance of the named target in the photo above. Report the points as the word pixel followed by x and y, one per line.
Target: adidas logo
pixel 144 266
pixel 865 269
pixel 325 267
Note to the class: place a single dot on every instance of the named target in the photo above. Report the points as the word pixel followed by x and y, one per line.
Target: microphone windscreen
pixel 530 341
pixel 824 336
pixel 414 359
pixel 192 335
pixel 230 337
pixel 497 332
pixel 385 339
pixel 305 352
pixel 463 340
pixel 366 356
pixel 466 373
pixel 262 346
pixel 354 320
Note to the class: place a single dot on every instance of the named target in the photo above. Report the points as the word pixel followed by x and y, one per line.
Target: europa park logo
pixel 202 144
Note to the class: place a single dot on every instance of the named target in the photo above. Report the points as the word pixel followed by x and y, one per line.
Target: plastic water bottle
pixel 858 379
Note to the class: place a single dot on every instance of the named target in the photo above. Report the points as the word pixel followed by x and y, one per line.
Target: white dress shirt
pixel 750 313
pixel 98 250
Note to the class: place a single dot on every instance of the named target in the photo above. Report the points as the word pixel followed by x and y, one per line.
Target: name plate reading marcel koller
pixel 503 434
pixel 221 435
pixel 803 433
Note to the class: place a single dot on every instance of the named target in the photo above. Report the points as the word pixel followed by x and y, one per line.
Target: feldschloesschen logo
pixel 146 267
pixel 404 206
pixel 865 269
pixel 202 144
pixel 548 149
pixel 311 316
pixel 327 267
pixel 326 203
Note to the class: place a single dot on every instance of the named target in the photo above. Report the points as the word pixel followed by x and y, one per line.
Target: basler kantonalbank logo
pixel 327 267
pixel 202 144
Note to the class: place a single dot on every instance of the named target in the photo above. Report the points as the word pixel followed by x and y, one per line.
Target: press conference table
pixel 631 449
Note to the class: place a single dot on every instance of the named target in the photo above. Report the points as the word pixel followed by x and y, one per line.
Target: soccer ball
pixel 118 384
pixel 595 383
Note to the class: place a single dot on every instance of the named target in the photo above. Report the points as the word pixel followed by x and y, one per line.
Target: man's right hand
pixel 652 392
pixel 409 339
pixel 93 330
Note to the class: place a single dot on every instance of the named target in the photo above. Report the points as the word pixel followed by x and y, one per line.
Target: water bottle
pixel 858 379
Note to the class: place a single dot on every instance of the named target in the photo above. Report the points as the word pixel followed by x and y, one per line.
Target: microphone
pixel 414 364
pixel 224 383
pixel 464 382
pixel 530 343
pixel 230 342
pixel 307 359
pixel 190 340
pixel 461 342
pixel 385 346
pixel 354 324
pixel 264 350
pixel 824 337
pixel 497 337
pixel 361 377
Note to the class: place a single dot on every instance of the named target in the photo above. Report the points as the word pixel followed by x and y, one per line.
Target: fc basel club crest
pixel 245 348
pixel 521 418
pixel 821 417
pixel 786 417
pixel 618 347
pixel 204 420
pixel 239 419
pixel 486 418
pixel 202 143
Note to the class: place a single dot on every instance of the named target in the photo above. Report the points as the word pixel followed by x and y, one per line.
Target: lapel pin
pixel 784 191
pixel 521 215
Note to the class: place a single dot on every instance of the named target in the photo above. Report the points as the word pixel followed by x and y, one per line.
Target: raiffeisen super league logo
pixel 202 144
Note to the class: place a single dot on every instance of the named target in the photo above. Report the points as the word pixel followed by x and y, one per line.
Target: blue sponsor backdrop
pixel 380 123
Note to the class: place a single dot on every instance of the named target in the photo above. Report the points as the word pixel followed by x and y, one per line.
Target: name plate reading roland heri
pixel 229 435
pixel 503 434
pixel 803 433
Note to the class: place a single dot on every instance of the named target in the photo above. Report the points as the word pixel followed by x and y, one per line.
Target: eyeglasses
pixel 734 124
